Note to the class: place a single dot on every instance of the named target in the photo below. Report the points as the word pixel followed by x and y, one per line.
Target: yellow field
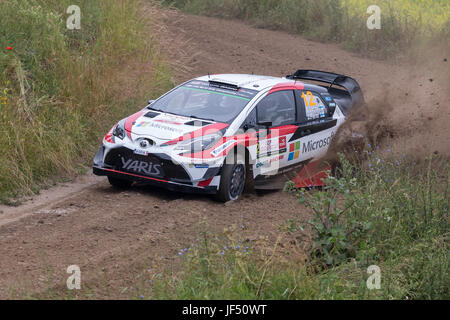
pixel 431 15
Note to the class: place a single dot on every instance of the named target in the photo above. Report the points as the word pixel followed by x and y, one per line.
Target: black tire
pixel 119 183
pixel 232 181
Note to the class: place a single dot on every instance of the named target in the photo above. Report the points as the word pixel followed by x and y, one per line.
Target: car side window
pixel 315 108
pixel 250 121
pixel 278 108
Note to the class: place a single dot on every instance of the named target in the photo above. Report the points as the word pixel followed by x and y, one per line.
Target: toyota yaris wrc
pixel 218 134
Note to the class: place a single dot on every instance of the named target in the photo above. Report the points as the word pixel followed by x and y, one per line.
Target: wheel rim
pixel 237 181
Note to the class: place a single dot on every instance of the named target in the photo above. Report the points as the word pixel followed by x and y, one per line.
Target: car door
pixel 316 129
pixel 276 117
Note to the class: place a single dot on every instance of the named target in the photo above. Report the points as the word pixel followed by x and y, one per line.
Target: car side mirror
pixel 266 124
pixel 151 101
pixel 331 110
pixel 248 126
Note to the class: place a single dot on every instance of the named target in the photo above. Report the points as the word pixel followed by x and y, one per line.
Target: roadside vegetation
pixel 404 23
pixel 391 213
pixel 61 89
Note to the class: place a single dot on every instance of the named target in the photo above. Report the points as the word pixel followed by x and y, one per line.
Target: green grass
pixel 404 23
pixel 389 213
pixel 61 90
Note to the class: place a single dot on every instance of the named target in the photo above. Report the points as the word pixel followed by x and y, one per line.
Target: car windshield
pixel 197 99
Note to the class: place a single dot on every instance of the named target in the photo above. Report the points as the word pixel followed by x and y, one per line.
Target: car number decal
pixel 309 95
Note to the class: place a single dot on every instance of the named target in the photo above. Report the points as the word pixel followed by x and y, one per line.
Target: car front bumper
pixel 173 176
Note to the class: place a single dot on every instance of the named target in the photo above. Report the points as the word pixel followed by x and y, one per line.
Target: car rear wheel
pixel 232 181
pixel 119 183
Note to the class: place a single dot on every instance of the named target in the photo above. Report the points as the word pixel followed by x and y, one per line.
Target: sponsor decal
pixel 144 167
pixel 268 147
pixel 261 164
pixel 141 152
pixel 276 159
pixel 332 104
pixel 175 117
pixel 282 142
pixel 327 98
pixel 294 151
pixel 201 166
pixel 271 147
pixel 268 163
pixel 318 144
pixel 169 122
pixel 246 94
pixel 144 124
pixel 314 106
pixel 222 148
pixel 263 148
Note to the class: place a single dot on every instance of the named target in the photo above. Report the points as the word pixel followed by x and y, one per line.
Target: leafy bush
pixel 388 212
pixel 63 89
pixel 335 239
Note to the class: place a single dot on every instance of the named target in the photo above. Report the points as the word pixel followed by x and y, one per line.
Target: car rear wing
pixel 349 84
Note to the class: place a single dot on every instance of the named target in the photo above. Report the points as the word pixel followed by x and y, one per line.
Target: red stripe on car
pixel 281 131
pixel 287 86
pixel 130 121
pixel 205 183
pixel 134 175
pixel 109 136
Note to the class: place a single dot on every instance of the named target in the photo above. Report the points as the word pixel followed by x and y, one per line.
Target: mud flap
pixel 312 175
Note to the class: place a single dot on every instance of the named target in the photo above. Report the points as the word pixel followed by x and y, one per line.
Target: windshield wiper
pixel 154 109
pixel 195 117
pixel 163 111
pixel 191 116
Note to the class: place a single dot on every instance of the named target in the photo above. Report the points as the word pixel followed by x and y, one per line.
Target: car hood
pixel 166 126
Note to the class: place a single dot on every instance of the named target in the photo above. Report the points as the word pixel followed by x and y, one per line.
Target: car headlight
pixel 198 144
pixel 119 130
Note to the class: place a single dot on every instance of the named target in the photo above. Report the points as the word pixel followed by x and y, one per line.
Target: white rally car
pixel 216 134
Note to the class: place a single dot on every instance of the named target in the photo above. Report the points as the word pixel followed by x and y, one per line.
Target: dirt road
pixel 115 236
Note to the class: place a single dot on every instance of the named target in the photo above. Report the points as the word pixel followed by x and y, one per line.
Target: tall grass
pixel 392 213
pixel 61 89
pixel 404 23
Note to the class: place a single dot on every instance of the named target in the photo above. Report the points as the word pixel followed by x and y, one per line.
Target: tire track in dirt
pixel 114 236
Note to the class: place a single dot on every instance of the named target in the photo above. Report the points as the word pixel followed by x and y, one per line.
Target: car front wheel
pixel 232 181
